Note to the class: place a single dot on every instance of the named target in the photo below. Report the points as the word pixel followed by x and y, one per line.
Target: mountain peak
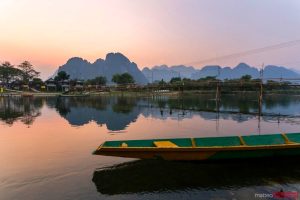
pixel 275 67
pixel 211 67
pixel 75 60
pixel 116 57
pixel 99 60
pixel 160 67
pixel 243 65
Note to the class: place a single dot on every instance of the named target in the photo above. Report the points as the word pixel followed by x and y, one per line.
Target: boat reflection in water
pixel 150 176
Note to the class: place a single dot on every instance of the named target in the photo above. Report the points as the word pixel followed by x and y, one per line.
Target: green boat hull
pixel 212 148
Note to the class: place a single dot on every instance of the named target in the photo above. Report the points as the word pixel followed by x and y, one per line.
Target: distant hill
pixel 166 73
pixel 157 73
pixel 114 63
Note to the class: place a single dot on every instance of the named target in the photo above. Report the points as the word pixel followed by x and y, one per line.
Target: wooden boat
pixel 211 148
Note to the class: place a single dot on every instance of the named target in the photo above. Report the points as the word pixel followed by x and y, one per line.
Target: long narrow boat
pixel 210 148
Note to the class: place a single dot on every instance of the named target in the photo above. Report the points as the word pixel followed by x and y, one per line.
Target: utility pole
pixel 218 92
pixel 260 99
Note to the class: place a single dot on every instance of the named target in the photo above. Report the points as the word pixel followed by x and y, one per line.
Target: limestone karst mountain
pixel 114 63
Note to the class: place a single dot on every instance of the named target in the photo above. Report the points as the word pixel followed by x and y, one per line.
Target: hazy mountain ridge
pixel 117 63
pixel 157 73
pixel 114 63
pixel 166 73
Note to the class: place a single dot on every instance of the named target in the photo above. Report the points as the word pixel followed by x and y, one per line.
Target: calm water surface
pixel 46 147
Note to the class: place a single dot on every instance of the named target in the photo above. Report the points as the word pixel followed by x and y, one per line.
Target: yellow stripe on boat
pixel 242 140
pixel 286 139
pixel 124 145
pixel 165 144
pixel 193 142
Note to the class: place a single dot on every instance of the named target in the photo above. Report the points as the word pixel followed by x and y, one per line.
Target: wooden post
pixel 218 97
pixel 260 98
pixel 218 92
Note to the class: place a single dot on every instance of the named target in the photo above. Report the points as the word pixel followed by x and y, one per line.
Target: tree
pixel 124 78
pixel 162 82
pixel 208 78
pixel 116 78
pixel 37 82
pixel 61 76
pixel 246 77
pixel 175 80
pixel 99 80
pixel 8 73
pixel 28 72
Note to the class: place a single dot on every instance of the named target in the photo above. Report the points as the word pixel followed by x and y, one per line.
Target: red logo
pixel 285 195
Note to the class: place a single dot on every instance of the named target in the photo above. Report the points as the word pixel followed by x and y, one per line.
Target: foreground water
pixel 46 146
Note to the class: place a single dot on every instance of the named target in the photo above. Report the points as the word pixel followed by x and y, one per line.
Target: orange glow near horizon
pixel 149 33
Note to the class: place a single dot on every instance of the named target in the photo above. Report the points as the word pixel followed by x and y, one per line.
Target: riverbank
pixel 41 94
pixel 147 93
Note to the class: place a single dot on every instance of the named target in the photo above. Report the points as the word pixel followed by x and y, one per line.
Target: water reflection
pixel 160 176
pixel 65 164
pixel 21 109
pixel 115 113
pixel 118 112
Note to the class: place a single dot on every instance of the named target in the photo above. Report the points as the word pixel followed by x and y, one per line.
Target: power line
pixel 248 52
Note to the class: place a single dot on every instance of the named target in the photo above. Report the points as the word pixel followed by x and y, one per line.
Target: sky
pixel 149 32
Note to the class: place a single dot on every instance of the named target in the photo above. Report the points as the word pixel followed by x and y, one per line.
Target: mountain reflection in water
pixel 54 153
pixel 148 176
pixel 105 110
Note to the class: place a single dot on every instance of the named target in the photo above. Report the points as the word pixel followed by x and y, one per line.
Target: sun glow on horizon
pixel 149 33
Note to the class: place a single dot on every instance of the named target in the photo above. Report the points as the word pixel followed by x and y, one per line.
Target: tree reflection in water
pixel 104 110
pixel 23 109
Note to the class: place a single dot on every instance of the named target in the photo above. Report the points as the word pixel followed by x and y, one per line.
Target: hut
pixel 65 85
pixel 79 85
pixel 51 84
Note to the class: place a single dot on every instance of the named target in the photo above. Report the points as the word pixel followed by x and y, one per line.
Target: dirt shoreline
pixel 141 94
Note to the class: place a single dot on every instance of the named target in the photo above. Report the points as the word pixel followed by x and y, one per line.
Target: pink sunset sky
pixel 148 32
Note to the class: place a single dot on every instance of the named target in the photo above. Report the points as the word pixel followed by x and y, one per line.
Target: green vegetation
pixel 8 73
pixel 175 80
pixel 37 82
pixel 99 80
pixel 246 78
pixel 208 78
pixel 162 82
pixel 61 76
pixel 22 74
pixel 211 83
pixel 27 72
pixel 122 79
